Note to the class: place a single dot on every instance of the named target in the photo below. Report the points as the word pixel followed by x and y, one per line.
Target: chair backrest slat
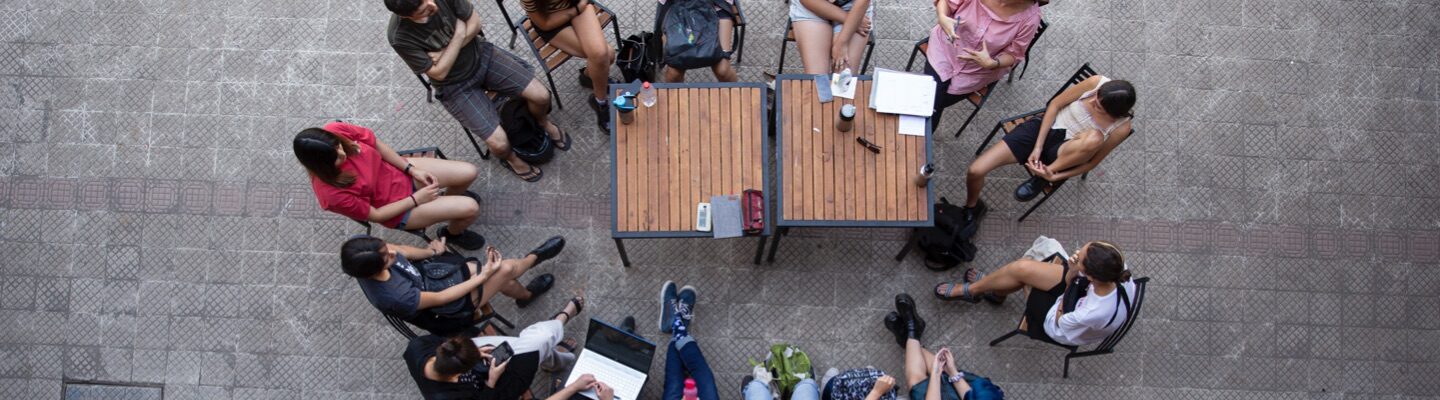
pixel 1080 75
pixel 1133 313
pixel 400 326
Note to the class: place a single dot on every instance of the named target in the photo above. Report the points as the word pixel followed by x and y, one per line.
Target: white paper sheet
pixel 845 90
pixel 904 93
pixel 912 125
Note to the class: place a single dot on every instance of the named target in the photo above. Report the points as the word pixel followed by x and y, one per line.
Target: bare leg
pixel 585 38
pixel 499 145
pixel 813 38
pixel 454 176
pixel 724 71
pixel 537 100
pixel 917 362
pixel 1019 274
pixel 997 156
pixel 511 287
pixel 460 211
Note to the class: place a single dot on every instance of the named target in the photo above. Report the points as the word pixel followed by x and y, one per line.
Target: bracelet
pixel 407 168
pixel 412 200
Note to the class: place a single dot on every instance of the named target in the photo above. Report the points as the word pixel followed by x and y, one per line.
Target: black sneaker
pixel 970 219
pixel 549 249
pixel 602 114
pixel 536 287
pixel 905 310
pixel 468 240
pixel 892 324
pixel 1030 189
pixel 628 325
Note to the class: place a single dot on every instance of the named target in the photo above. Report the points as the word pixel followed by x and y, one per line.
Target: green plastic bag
pixel 789 365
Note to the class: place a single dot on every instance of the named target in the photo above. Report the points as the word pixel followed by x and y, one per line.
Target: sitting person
pixel 573 26
pixel 829 35
pixel 436 38
pixel 1095 315
pixel 392 283
pixel 855 384
pixel 452 368
pixel 724 71
pixel 1081 126
pixel 974 43
pixel 682 356
pixel 356 175
pixel 932 376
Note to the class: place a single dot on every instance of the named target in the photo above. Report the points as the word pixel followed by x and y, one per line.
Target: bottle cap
pixel 646 85
pixel 847 110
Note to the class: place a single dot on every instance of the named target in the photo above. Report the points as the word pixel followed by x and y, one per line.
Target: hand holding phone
pixel 502 353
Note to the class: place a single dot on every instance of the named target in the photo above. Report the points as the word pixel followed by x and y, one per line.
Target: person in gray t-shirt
pixel 437 38
pixel 391 282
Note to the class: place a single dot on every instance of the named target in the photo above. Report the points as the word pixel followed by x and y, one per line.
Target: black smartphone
pixel 502 353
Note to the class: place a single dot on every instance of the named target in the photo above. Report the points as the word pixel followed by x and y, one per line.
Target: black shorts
pixel 1021 141
pixel 1037 306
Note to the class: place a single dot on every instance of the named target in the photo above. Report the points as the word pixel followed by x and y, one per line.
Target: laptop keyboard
pixel 623 379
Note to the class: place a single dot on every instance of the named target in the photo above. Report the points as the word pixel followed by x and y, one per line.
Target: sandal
pixel 568 344
pixel 536 287
pixel 989 297
pixel 579 303
pixel 948 288
pixel 533 176
pixel 564 143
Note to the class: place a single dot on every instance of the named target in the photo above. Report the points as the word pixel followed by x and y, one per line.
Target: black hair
pixel 315 148
pixel 362 256
pixel 403 8
pixel 456 355
pixel 1105 263
pixel 1117 98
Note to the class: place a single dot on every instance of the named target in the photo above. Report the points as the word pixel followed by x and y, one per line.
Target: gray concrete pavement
pixel 1280 192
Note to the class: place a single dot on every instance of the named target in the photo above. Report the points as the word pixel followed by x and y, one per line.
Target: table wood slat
pixel 694 143
pixel 864 126
pixel 787 157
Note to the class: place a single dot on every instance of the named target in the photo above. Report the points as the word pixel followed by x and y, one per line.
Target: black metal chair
pixel 1106 347
pixel 977 98
pixel 484 151
pixel 550 57
pixel 487 321
pixel 1038 31
pixel 1008 124
pixel 790 38
pixel 508 21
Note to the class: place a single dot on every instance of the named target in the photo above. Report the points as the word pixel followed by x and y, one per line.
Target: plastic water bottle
pixel 647 95
pixel 690 392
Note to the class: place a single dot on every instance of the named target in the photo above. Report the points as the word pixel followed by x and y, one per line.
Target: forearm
pixel 942 9
pixel 1045 122
pixel 392 210
pixel 824 9
pixel 1003 61
pixel 961 387
pixel 414 253
pixel 555 20
pixel 390 155
pixel 853 19
pixel 932 389
pixel 564 394
pixel 435 299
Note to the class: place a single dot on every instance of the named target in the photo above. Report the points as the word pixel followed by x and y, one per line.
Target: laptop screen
pixel 625 348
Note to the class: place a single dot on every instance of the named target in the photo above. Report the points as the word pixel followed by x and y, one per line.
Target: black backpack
pixel 439 273
pixel 944 245
pixel 692 33
pixel 527 138
pixel 639 57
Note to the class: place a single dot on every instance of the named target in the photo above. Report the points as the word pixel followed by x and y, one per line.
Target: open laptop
pixel 618 358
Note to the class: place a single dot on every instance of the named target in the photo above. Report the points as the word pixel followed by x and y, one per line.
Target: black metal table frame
pixel 765 175
pixel 784 225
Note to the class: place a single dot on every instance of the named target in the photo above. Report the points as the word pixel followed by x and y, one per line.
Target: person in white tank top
pixel 1079 128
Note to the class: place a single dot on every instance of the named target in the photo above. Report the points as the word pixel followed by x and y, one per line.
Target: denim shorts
pixel 800 13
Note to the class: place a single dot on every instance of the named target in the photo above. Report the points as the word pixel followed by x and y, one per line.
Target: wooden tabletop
pixel 829 179
pixel 698 140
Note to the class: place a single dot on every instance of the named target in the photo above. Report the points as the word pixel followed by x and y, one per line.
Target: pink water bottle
pixel 690 393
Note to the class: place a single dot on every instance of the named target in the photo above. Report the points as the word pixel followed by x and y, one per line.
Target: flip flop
pixel 536 172
pixel 564 143
pixel 579 306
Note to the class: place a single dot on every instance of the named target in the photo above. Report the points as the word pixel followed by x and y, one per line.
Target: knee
pixel 975 172
pixel 498 143
pixel 509 270
pixel 469 173
pixel 536 93
pixel 469 207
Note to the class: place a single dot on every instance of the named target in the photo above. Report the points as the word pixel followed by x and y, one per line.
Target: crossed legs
pixel 585 38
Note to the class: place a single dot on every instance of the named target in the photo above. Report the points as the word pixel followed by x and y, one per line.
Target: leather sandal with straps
pixel 579 303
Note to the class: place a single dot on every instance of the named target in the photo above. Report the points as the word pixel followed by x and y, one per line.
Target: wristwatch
pixel 960 376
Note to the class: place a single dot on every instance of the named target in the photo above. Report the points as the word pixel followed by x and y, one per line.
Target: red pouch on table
pixel 752 209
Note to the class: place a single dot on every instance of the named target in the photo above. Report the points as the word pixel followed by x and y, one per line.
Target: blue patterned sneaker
pixel 667 305
pixel 684 309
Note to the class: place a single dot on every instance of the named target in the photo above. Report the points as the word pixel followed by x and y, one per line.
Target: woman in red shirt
pixel 358 176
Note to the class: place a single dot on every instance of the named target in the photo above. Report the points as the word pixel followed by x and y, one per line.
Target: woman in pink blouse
pixel 975 42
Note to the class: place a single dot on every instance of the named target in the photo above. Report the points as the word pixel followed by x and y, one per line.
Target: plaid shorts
pixel 499 71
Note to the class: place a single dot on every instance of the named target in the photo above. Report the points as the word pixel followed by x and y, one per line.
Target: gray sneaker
pixel 667 305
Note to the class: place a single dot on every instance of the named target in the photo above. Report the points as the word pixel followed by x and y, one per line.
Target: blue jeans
pixel 687 358
pixel 805 390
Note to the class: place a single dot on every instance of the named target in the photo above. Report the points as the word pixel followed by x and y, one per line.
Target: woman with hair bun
pixel 1081 126
pixel 1098 310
